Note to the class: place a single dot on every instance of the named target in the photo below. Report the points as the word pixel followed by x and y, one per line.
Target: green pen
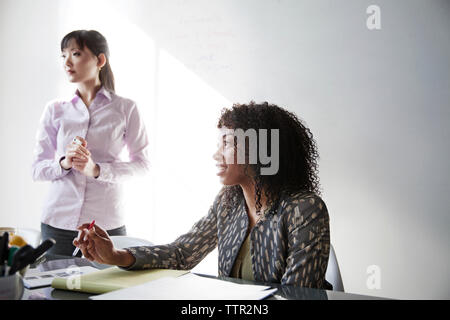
pixel 12 252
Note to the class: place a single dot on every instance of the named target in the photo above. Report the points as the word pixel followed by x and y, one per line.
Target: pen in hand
pixel 77 248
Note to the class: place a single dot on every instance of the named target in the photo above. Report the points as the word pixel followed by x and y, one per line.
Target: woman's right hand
pixel 74 150
pixel 96 245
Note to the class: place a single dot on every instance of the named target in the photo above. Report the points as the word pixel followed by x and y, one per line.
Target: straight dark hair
pixel 97 43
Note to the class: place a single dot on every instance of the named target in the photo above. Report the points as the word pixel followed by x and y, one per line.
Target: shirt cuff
pixel 106 174
pixel 60 171
pixel 133 266
pixel 143 259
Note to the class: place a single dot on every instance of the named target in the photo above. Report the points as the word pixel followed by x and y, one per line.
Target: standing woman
pixel 79 142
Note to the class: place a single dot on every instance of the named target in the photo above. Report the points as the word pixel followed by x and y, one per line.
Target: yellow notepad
pixel 111 279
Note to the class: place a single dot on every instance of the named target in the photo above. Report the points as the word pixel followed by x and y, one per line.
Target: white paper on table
pixel 189 287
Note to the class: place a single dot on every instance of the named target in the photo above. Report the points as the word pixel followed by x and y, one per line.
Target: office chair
pixel 333 274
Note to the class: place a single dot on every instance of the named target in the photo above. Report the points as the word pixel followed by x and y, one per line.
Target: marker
pixel 12 252
pixel 77 248
pixel 4 240
pixel 77 141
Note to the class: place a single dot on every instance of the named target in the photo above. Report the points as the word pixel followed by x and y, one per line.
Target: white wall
pixel 376 101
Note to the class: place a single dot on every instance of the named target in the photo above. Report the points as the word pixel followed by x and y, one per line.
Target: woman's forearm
pixel 123 258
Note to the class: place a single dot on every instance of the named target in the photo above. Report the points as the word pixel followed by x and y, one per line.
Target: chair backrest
pixel 121 242
pixel 333 274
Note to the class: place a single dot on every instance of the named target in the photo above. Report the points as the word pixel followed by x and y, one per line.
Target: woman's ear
pixel 101 60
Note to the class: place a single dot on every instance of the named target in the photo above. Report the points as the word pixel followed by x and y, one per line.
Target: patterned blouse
pixel 290 245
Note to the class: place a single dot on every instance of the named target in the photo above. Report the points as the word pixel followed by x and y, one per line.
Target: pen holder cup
pixel 11 287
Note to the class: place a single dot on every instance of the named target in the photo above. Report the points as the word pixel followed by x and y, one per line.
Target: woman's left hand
pixel 86 166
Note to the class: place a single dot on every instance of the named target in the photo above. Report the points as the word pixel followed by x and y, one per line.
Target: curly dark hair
pixel 298 154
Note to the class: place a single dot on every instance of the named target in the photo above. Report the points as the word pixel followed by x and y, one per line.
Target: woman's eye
pixel 76 54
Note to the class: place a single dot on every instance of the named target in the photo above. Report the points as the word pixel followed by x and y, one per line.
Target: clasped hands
pixel 79 158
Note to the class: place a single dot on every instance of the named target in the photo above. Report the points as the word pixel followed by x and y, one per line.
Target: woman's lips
pixel 221 169
pixel 70 71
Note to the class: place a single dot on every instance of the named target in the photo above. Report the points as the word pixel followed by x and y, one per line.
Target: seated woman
pixel 269 226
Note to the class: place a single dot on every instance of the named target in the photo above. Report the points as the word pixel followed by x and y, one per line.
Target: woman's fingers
pixel 101 232
pixel 79 164
pixel 83 248
pixel 74 146
pixel 80 155
pixel 79 167
pixel 91 237
pixel 79 161
pixel 94 243
pixel 95 232
pixel 83 236
pixel 86 253
pixel 77 154
pixel 95 255
pixel 90 245
pixel 82 140
pixel 82 245
pixel 88 248
pixel 84 226
pixel 95 236
pixel 82 151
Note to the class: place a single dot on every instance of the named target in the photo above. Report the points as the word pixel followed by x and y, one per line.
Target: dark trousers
pixel 64 238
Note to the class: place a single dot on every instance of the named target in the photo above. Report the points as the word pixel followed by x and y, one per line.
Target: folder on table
pixel 111 279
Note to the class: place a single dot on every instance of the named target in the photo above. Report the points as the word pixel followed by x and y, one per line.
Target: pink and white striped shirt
pixel 109 124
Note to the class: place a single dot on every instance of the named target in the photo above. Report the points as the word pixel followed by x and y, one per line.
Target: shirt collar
pixel 102 91
pixel 105 93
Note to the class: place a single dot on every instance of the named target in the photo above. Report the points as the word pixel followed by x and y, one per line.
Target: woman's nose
pixel 67 61
pixel 217 155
